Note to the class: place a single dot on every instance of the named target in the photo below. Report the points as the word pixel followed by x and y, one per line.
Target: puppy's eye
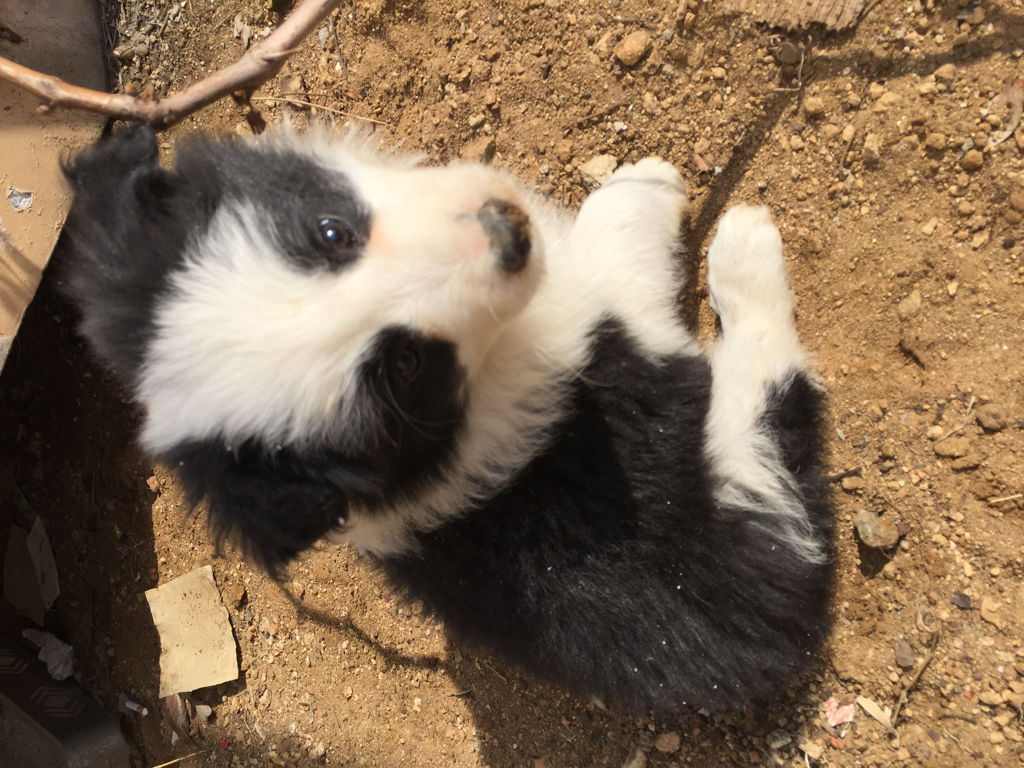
pixel 334 232
pixel 407 363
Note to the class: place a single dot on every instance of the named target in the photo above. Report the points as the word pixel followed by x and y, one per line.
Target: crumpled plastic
pixel 58 656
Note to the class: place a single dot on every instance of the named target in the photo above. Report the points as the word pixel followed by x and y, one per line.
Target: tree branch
pixel 260 63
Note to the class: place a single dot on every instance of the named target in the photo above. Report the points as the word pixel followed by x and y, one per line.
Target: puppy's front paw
pixel 651 169
pixel 746 271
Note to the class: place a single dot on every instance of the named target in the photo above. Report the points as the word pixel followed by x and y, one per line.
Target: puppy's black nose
pixel 508 228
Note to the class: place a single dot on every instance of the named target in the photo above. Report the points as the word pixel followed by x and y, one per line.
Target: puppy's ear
pixel 274 504
pixel 124 233
pixel 119 175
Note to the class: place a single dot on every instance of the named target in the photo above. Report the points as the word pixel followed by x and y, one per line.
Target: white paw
pixel 746 272
pixel 651 169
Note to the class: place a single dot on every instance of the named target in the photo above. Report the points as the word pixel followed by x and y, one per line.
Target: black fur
pixel 606 571
pixel 132 222
pixel 128 227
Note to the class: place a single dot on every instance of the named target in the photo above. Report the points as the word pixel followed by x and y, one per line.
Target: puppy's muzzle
pixel 508 228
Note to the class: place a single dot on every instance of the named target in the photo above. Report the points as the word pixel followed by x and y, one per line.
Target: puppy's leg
pixel 625 246
pixel 761 432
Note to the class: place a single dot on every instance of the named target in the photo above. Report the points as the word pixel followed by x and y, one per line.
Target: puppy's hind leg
pixel 625 246
pixel 762 428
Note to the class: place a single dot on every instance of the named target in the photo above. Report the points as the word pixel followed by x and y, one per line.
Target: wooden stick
pixel 177 760
pixel 912 683
pixel 312 105
pixel 257 65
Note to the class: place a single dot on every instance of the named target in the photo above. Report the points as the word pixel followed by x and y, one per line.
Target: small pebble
pixel 904 654
pixel 961 601
pixel 990 612
pixel 853 483
pixel 876 532
pixel 990 698
pixel 972 161
pixel 991 418
pixel 872 151
pixel 668 742
pixel 966 463
pixel 814 106
pixel 909 306
pixel 632 48
pixel 597 171
pixel 778 739
pixel 952 447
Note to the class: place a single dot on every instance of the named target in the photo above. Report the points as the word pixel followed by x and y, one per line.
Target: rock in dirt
pixel 952 447
pixel 909 306
pixel 636 760
pixel 812 749
pixel 871 152
pixel 778 739
pixel 875 531
pixel 597 171
pixel 972 161
pixel 990 612
pixel 814 107
pixel 479 150
pixel 990 699
pixel 293 88
pixel 853 484
pixel 935 142
pixel 966 463
pixel 632 48
pixel 904 654
pixel 991 417
pixel 668 742
pixel 961 601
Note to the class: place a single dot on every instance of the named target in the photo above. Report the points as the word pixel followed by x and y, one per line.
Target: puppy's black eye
pixel 334 232
pixel 407 363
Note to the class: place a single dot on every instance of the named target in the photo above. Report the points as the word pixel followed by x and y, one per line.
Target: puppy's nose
pixel 508 228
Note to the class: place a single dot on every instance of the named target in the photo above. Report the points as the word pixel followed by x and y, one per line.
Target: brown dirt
pixel 873 208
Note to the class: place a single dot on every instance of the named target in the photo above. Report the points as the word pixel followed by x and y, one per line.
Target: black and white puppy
pixel 493 400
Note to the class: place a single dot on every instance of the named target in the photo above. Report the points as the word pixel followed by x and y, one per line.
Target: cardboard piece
pixel 62 38
pixel 30 572
pixel 197 648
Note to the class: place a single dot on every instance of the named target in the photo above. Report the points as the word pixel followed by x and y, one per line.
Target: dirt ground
pixel 877 150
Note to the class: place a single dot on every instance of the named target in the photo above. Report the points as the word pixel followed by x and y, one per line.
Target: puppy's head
pixel 300 320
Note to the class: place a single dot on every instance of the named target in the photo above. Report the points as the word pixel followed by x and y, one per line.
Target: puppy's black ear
pixel 118 181
pixel 124 235
pixel 274 503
